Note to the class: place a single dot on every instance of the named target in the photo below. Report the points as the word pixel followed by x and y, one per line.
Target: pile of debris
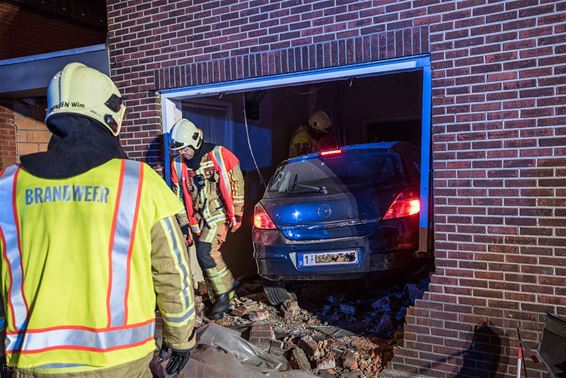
pixel 347 335
pixel 379 311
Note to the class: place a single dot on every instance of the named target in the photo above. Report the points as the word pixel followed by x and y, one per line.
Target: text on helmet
pixel 67 104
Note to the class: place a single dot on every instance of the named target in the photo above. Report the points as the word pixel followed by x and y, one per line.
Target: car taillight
pixel 406 203
pixel 262 219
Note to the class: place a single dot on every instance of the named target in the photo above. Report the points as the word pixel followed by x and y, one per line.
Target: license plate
pixel 329 258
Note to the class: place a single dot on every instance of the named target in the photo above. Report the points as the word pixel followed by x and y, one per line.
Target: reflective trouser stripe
pixel 213 221
pixel 218 276
pixel 209 237
pixel 220 218
pixel 220 279
pixel 9 238
pixel 122 240
pixel 220 273
pixel 82 339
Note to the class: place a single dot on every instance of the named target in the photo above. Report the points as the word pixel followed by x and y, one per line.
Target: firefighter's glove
pixel 187 234
pixel 178 359
pixel 189 240
pixel 235 223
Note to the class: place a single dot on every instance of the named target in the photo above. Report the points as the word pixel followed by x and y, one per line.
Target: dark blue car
pixel 338 214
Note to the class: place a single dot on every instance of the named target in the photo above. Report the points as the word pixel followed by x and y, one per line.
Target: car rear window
pixel 338 173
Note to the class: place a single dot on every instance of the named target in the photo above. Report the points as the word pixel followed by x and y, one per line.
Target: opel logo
pixel 324 211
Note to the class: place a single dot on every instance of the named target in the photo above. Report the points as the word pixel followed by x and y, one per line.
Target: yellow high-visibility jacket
pixel 82 270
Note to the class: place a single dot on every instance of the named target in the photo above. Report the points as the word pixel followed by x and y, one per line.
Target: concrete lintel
pixel 30 75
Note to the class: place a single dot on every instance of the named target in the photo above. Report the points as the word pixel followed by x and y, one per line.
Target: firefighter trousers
pixel 218 277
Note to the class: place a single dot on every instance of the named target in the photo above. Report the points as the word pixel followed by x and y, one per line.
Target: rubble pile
pixel 380 312
pixel 345 334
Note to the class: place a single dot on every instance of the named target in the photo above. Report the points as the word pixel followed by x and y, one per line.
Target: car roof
pixel 387 146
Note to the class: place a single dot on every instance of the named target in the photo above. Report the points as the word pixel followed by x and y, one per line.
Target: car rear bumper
pixel 389 249
pixel 285 269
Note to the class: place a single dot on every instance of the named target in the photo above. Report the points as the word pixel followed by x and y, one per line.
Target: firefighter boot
pixel 221 305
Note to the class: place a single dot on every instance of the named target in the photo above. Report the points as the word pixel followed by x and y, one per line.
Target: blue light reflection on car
pixel 290 234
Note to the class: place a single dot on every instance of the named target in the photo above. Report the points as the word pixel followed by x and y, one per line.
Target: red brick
pixel 42 33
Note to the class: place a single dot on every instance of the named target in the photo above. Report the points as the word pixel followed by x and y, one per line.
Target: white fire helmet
pixel 185 134
pixel 79 89
pixel 319 121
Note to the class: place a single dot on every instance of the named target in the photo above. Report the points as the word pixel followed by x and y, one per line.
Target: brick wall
pixel 22 130
pixel 499 88
pixel 25 33
pixel 7 134
pixel 33 135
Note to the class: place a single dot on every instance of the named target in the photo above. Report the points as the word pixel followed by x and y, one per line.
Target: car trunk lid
pixel 354 213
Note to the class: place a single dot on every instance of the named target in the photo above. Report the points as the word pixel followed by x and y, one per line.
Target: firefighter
pixel 90 245
pixel 209 181
pixel 306 139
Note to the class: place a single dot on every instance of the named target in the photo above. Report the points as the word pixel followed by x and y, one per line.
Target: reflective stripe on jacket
pixel 77 266
pixel 230 186
pixel 182 182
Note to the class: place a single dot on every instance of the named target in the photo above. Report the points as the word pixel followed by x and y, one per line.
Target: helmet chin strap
pixel 111 122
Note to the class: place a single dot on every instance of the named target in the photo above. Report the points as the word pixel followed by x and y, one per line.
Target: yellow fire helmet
pixel 320 121
pixel 185 134
pixel 79 89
